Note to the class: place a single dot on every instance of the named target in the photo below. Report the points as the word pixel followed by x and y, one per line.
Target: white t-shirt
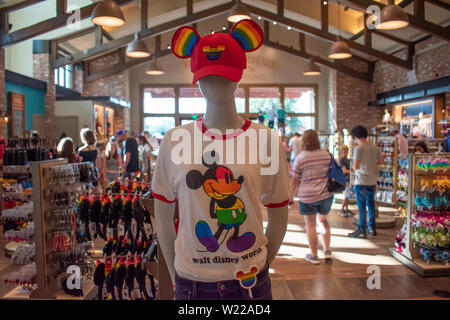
pixel 271 115
pixel 296 144
pixel 220 204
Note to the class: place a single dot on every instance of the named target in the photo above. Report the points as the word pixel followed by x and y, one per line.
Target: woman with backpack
pixel 309 182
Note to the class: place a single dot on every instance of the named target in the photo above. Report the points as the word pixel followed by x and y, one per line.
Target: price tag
pixel 121 230
pixel 133 228
pixel 109 232
pixel 125 295
pixel 148 229
pixel 92 228
pixel 136 294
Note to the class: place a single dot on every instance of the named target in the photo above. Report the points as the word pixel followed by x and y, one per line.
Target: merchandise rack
pixel 46 287
pixel 410 256
pixel 390 168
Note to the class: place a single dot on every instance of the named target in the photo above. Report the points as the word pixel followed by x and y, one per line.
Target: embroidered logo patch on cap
pixel 220 53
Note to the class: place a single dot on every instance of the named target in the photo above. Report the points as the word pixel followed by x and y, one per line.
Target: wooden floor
pixel 294 278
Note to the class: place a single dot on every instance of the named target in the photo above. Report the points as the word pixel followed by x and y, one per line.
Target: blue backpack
pixel 336 177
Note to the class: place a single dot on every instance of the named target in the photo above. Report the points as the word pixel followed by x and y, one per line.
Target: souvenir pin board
pixel 387 173
pixel 426 244
pixel 57 186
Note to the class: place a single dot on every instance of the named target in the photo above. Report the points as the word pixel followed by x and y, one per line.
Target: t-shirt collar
pixel 212 135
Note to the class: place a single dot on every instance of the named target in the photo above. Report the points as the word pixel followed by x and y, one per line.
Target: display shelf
pixel 387 172
pixel 421 267
pixel 44 174
pixel 418 183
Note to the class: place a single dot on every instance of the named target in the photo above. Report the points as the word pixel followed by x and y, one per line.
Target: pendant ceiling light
pixel 339 49
pixel 154 69
pixel 137 49
pixel 311 69
pixel 108 14
pixel 392 17
pixel 238 12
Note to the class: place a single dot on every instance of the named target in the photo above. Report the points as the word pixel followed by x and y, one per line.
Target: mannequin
pixel 386 117
pixel 220 245
pixel 219 95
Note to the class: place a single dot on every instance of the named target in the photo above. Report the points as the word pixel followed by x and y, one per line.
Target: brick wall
pixel 432 61
pixel 116 86
pixel 351 102
pixel 2 92
pixel 42 71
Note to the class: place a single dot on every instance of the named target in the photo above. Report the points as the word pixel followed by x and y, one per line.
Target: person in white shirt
pixel 151 140
pixel 403 146
pixel 271 118
pixel 295 146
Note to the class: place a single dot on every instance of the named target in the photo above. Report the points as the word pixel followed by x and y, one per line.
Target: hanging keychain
pixel 247 280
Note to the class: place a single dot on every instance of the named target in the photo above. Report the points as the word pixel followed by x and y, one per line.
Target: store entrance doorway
pixel 68 125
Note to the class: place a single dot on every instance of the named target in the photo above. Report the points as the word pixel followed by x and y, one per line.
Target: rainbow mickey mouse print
pixel 221 54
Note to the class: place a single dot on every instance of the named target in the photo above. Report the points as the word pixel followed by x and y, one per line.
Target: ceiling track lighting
pixel 239 12
pixel 339 49
pixel 392 17
pixel 108 14
pixel 137 48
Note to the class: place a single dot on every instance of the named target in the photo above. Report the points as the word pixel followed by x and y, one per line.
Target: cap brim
pixel 230 73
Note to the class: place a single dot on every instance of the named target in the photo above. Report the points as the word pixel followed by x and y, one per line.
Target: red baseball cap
pixel 219 54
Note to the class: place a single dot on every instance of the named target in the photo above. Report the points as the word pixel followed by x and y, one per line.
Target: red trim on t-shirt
pixel 277 205
pixel 162 198
pixel 236 133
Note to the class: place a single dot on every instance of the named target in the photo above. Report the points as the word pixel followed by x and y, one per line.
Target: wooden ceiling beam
pixel 120 67
pixel 414 21
pixel 22 5
pixel 150 32
pixel 440 4
pixel 339 67
pixel 329 37
pixel 47 25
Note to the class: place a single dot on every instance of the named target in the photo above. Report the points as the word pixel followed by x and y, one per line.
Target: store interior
pixel 62 72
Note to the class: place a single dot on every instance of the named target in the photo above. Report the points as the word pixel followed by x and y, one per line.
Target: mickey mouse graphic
pixel 220 185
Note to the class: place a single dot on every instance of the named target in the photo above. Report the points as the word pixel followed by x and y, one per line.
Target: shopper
pixel 402 142
pixel 366 158
pixel 271 118
pixel 130 156
pixel 152 140
pixel 421 147
pixel 281 113
pixel 88 151
pixel 113 159
pixel 309 181
pixel 145 155
pixel 261 117
pixel 101 164
pixel 65 149
pixel 295 146
pixel 286 148
pixel 345 165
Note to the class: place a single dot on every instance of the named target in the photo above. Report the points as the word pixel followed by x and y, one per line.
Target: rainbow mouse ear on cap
pixel 184 41
pixel 248 34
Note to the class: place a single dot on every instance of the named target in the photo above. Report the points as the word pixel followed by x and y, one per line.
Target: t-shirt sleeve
pixel 163 187
pixel 276 189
